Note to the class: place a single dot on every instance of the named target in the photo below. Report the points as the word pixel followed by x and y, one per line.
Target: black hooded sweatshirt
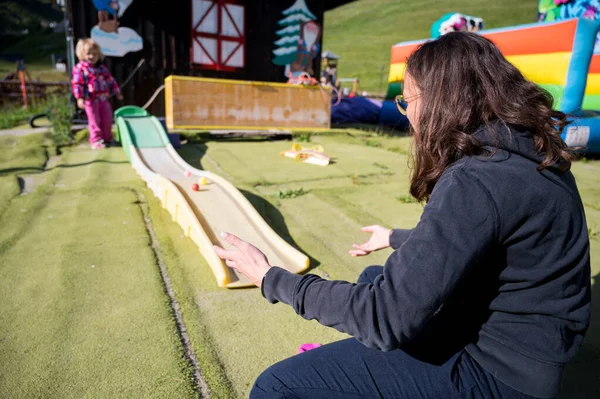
pixel 498 265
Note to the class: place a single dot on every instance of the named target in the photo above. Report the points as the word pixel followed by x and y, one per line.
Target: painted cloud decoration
pixel 118 44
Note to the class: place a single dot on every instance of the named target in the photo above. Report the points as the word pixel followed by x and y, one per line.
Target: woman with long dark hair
pixel 489 295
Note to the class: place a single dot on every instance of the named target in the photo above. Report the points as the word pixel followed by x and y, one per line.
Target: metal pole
pixel 69 38
pixel 70 50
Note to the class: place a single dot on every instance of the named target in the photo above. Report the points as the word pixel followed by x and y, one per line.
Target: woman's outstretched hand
pixel 379 239
pixel 246 258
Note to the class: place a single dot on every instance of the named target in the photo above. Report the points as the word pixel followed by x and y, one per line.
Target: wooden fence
pixel 12 92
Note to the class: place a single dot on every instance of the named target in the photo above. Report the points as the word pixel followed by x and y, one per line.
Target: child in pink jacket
pixel 92 85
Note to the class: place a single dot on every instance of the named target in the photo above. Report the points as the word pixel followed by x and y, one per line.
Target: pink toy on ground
pixel 307 347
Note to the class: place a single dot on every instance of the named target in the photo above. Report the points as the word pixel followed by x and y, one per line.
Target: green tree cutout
pixel 289 34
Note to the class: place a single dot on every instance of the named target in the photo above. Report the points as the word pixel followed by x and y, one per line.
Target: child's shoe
pixel 98 145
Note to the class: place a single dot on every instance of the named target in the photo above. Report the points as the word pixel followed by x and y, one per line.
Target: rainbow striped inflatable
pixel 591 100
pixel 554 55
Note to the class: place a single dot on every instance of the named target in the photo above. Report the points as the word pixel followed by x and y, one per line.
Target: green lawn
pixel 24 154
pixel 83 311
pixel 42 70
pixel 68 329
pixel 36 49
pixel 363 32
pixel 14 116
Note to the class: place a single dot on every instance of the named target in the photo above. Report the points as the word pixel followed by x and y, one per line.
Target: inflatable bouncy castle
pixel 559 65
pixel 455 22
pixel 551 10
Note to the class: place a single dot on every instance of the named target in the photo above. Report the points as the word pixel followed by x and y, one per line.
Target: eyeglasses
pixel 402 104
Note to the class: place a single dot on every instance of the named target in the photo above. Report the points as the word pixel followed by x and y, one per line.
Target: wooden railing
pixel 11 90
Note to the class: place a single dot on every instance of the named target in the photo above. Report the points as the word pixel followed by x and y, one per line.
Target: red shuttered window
pixel 218 35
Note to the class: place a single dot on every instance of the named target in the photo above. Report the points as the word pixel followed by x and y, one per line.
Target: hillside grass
pixel 363 32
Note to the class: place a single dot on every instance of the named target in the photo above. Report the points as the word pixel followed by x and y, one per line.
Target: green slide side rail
pixel 135 126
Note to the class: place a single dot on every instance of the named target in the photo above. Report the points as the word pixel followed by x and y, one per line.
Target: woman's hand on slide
pixel 80 103
pixel 379 239
pixel 247 259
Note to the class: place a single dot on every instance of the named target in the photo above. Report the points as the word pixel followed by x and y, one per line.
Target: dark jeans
pixel 347 369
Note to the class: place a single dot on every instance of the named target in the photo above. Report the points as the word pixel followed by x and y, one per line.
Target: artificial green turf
pixel 261 163
pixel 9 188
pixel 24 154
pixel 323 223
pixel 84 313
pixel 363 32
pixel 67 329
pixel 235 333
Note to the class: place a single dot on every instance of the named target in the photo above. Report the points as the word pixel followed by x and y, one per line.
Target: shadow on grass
pixel 383 130
pixel 38 170
pixel 201 137
pixel 75 165
pixel 193 152
pixel 582 377
pixel 275 219
pixel 10 171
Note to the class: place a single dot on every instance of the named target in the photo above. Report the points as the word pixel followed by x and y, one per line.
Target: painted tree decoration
pixel 289 34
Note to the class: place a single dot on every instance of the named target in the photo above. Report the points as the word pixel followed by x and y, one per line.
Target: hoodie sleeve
pixel 458 226
pixel 398 236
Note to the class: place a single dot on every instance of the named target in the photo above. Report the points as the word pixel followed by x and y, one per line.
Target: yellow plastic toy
pixel 315 155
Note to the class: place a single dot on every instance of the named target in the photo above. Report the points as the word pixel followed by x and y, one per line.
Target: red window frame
pixel 219 64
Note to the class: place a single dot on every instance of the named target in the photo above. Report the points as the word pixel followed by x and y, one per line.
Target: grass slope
pixel 368 183
pixel 58 312
pixel 363 32
pixel 83 311
pixel 24 154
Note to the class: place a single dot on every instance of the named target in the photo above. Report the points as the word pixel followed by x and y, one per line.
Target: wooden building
pixel 259 40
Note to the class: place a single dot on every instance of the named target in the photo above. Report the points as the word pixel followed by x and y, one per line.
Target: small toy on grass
pixel 307 347
pixel 315 155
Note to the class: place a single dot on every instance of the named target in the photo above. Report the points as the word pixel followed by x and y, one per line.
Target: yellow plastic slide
pixel 202 203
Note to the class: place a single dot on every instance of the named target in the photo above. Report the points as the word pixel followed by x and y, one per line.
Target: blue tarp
pixel 355 110
pixel 390 116
pixel 364 110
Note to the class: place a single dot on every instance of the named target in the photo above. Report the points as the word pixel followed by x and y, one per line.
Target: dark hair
pixel 466 83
